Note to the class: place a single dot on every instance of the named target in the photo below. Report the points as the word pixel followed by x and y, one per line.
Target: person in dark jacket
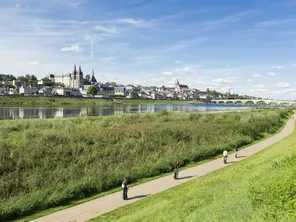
pixel 124 189
pixel 176 172
pixel 235 150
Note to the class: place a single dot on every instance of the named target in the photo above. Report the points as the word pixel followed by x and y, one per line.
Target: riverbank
pixel 79 101
pixel 54 161
pixel 259 188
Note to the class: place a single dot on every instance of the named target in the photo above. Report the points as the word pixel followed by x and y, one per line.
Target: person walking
pixel 176 172
pixel 124 189
pixel 235 150
pixel 225 155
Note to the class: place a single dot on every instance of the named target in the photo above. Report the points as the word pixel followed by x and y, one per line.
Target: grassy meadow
pixel 78 101
pixel 46 163
pixel 259 189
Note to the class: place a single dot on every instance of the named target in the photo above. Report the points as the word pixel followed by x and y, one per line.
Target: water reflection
pixel 106 110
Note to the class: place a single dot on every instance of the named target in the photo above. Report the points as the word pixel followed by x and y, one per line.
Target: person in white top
pixel 124 189
pixel 225 155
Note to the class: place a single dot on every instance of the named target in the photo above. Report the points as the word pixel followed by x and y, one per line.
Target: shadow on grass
pixel 187 177
pixel 139 197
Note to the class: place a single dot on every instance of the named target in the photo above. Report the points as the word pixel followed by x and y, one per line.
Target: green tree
pixel 92 90
pixel 45 79
pixel 10 77
pixel 135 95
pixel 87 78
pixel 113 84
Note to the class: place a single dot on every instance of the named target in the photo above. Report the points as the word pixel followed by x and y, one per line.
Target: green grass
pixel 52 163
pixel 77 101
pixel 260 188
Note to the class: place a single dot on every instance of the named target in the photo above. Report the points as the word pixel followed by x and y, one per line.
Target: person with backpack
pixel 124 189
pixel 176 172
pixel 235 150
pixel 225 155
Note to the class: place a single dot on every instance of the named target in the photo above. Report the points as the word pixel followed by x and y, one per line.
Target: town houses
pixel 77 84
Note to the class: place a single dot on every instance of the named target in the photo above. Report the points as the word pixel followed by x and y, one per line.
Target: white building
pixel 28 90
pixel 64 91
pixel 13 91
pixel 119 91
pixel 45 91
pixel 72 80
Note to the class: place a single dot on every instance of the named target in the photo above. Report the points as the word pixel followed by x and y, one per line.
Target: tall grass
pixel 80 101
pixel 46 163
pixel 260 188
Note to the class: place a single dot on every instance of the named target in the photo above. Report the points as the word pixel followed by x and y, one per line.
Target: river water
pixel 109 110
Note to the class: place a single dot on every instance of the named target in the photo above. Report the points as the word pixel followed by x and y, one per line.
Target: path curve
pixel 102 205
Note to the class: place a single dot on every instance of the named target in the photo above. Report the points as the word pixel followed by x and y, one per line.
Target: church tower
pixel 74 73
pixel 79 82
pixel 177 86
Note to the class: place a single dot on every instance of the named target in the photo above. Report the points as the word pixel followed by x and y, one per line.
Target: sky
pixel 247 47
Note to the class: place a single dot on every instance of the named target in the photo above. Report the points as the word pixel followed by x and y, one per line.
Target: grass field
pixel 260 188
pixel 77 101
pixel 47 163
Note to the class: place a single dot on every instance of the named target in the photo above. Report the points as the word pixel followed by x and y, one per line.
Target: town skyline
pixel 248 48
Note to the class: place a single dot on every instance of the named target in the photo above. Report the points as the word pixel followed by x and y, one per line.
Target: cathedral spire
pixel 74 72
pixel 93 80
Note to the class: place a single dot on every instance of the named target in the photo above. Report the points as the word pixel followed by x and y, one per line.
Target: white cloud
pixel 167 73
pixel 104 29
pixel 157 80
pixel 256 75
pixel 259 90
pixel 271 73
pixel 277 67
pixel 249 80
pixel 186 70
pixel 132 21
pixel 283 85
pixel 273 23
pixel 73 48
pixel 259 86
pixel 227 80
pixel 178 61
pixel 34 63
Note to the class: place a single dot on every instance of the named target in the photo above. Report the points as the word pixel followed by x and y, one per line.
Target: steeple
pixel 74 72
pixel 93 78
pixel 79 71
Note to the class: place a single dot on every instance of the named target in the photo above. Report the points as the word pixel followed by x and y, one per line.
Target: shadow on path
pixel 230 162
pixel 188 177
pixel 139 197
pixel 241 156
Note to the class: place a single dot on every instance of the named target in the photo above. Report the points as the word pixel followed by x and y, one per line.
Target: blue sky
pixel 246 46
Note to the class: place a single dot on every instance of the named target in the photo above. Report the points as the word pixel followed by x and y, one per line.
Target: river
pixel 109 110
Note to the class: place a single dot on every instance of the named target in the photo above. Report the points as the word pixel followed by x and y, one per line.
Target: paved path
pixel 94 208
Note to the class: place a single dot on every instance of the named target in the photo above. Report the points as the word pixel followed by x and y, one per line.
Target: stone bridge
pixel 254 101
